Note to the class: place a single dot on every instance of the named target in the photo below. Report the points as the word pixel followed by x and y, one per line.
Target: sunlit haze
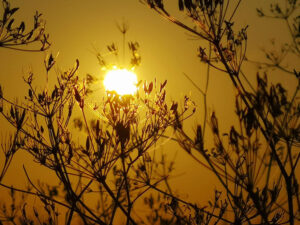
pixel 121 81
pixel 128 149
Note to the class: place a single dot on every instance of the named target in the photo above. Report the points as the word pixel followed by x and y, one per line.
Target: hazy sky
pixel 77 27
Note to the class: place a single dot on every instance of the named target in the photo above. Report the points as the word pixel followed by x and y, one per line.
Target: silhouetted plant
pixel 267 140
pixel 116 146
pixel 255 161
pixel 17 37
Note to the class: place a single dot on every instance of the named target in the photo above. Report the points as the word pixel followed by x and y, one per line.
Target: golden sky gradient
pixel 78 27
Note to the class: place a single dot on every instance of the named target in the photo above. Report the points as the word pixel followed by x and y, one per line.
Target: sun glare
pixel 121 81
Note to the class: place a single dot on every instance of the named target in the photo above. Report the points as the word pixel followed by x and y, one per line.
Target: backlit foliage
pixel 17 37
pixel 255 161
pixel 116 161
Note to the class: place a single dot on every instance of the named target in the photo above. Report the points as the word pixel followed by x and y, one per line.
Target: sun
pixel 121 81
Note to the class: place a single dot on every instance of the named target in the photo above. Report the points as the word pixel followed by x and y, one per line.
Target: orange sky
pixel 76 27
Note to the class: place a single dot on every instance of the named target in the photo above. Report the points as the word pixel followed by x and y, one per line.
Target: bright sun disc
pixel 121 81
